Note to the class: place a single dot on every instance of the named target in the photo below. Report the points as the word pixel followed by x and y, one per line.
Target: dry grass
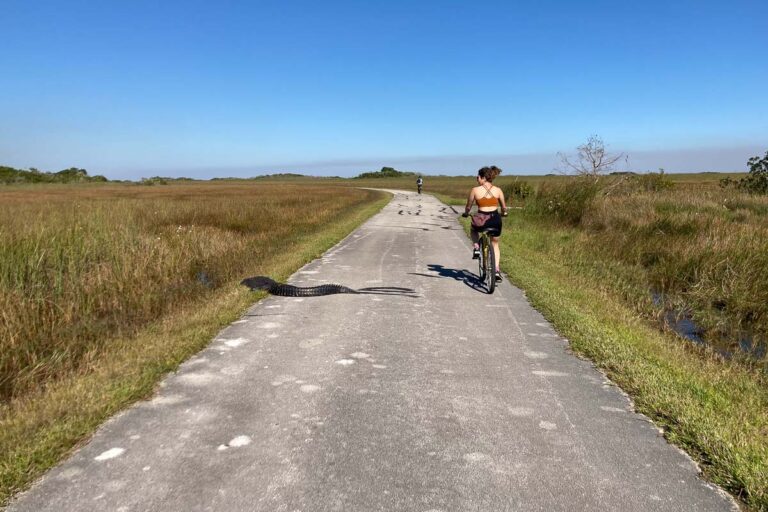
pixel 80 266
pixel 87 372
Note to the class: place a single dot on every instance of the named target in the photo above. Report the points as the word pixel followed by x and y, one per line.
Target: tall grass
pixel 82 266
pixel 456 188
pixel 708 250
pixel 703 249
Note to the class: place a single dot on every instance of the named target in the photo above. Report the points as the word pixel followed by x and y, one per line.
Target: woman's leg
pixel 496 251
pixel 474 236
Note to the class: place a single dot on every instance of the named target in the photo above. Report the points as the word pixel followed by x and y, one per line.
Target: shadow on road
pixel 441 226
pixel 464 275
pixel 403 227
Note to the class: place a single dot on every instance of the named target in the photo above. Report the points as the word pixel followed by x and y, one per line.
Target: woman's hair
pixel 489 173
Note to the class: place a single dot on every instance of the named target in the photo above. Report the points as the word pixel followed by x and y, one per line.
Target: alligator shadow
pixel 263 283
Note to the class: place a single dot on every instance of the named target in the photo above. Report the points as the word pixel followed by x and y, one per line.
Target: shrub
pixel 517 190
pixel 727 182
pixel 155 180
pixel 567 200
pixel 9 175
pixel 756 181
pixel 385 172
pixel 653 181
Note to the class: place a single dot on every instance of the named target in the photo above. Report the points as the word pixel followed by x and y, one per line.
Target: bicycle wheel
pixel 491 267
pixel 481 261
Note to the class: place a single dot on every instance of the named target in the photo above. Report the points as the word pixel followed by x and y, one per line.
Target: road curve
pixel 445 399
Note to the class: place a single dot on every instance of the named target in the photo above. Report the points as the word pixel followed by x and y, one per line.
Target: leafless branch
pixel 592 159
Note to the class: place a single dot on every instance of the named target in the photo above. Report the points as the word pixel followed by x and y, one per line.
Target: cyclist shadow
pixel 464 275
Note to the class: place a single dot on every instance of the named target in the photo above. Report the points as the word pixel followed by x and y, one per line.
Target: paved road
pixel 446 399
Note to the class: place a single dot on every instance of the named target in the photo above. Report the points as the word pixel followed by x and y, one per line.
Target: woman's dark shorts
pixel 487 221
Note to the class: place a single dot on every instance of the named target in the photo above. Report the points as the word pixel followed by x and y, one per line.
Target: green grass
pixel 40 424
pixel 705 250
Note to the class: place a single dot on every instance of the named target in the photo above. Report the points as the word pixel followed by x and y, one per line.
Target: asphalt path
pixel 420 394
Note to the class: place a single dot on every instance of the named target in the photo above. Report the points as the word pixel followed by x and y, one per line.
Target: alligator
pixel 269 285
pixel 289 290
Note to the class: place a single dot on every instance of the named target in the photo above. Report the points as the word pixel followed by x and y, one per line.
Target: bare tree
pixel 592 159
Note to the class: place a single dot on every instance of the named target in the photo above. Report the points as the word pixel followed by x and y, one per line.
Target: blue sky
pixel 204 89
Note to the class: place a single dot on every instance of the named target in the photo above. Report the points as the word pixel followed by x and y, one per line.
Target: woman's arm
pixel 503 202
pixel 470 199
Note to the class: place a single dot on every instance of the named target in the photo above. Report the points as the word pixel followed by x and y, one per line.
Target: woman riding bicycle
pixel 488 197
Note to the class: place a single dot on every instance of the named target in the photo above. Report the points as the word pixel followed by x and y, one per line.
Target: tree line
pixel 9 175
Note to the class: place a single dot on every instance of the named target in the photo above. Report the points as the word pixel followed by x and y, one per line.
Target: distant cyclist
pixel 419 183
pixel 488 197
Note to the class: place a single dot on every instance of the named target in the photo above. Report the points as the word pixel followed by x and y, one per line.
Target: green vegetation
pixel 756 181
pixel 103 290
pixel 385 172
pixel 9 175
pixel 517 190
pixel 704 252
pixel 163 180
pixel 284 176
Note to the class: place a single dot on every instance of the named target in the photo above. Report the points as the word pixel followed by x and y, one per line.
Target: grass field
pixel 106 288
pixel 156 276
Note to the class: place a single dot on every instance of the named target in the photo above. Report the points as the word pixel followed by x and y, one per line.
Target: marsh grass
pixel 455 189
pixel 81 266
pixel 705 252
pixel 88 372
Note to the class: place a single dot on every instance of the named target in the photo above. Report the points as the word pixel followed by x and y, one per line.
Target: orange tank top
pixel 488 201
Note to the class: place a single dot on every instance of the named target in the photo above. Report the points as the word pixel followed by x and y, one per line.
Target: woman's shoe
pixel 498 276
pixel 475 253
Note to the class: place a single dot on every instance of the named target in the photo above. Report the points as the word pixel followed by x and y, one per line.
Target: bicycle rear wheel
pixel 490 267
pixel 481 261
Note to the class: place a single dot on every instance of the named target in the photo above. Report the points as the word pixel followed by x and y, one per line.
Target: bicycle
pixel 487 261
